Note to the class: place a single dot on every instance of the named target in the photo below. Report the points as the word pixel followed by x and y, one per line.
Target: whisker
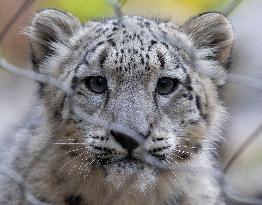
pixel 70 161
pixel 190 154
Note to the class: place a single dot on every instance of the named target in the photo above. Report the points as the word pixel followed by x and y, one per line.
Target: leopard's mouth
pixel 129 160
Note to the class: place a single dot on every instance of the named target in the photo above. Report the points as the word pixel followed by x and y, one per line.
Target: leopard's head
pixel 153 77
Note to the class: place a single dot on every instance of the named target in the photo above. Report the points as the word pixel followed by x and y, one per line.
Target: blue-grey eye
pixel 97 84
pixel 166 85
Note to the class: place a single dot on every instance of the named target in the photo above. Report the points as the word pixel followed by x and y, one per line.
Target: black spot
pixel 99 44
pixel 165 44
pixel 147 24
pixel 110 35
pixel 188 83
pixel 158 156
pixel 74 80
pixel 108 151
pixel 193 122
pixel 98 30
pixel 80 93
pixel 153 42
pixel 198 103
pixel 112 42
pixel 105 31
pixel 142 61
pixel 190 96
pixel 185 95
pixel 73 199
pixel 115 29
pixel 189 88
pixel 161 59
pixel 102 59
pixel 85 61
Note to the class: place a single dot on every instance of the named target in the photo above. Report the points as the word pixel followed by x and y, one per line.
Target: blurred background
pixel 244 102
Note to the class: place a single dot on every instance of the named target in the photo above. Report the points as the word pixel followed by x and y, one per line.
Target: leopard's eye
pixel 166 85
pixel 97 84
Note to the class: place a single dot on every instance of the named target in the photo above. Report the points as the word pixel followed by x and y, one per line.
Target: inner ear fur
pixel 49 26
pixel 211 30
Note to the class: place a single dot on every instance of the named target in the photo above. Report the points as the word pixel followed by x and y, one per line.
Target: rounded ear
pixel 214 31
pixel 49 26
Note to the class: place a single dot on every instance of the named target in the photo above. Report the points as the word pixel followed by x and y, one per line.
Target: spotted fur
pixel 181 129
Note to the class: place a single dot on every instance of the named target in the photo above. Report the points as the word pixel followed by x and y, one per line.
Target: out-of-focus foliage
pixel 84 9
pixel 175 9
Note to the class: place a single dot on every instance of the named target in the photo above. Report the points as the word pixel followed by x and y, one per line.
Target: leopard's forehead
pixel 133 46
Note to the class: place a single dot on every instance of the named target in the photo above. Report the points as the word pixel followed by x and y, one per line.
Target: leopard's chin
pixel 137 174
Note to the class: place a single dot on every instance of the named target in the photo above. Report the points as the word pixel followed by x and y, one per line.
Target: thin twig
pixel 35 76
pixel 231 7
pixel 117 6
pixel 241 149
pixel 243 199
pixel 10 173
pixel 20 11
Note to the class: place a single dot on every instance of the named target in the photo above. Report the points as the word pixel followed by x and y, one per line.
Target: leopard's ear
pixel 50 26
pixel 211 30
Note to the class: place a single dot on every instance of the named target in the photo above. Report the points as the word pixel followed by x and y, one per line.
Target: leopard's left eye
pixel 166 86
pixel 97 84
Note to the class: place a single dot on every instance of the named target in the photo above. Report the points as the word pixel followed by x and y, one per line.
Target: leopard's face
pixel 134 77
pixel 140 74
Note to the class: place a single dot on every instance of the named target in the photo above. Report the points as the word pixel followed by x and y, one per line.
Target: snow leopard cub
pixel 154 77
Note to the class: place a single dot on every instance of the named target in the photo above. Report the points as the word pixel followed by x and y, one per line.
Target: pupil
pixel 97 84
pixel 165 85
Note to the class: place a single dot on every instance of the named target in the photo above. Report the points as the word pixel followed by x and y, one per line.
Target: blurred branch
pixel 231 7
pixel 228 190
pixel 117 6
pixel 34 76
pixel 242 148
pixel 22 184
pixel 245 80
pixel 244 200
pixel 20 11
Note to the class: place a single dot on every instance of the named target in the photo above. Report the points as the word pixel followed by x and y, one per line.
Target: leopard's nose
pixel 124 140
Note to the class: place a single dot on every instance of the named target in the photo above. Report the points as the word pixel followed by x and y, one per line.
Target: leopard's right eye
pixel 96 84
pixel 166 86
